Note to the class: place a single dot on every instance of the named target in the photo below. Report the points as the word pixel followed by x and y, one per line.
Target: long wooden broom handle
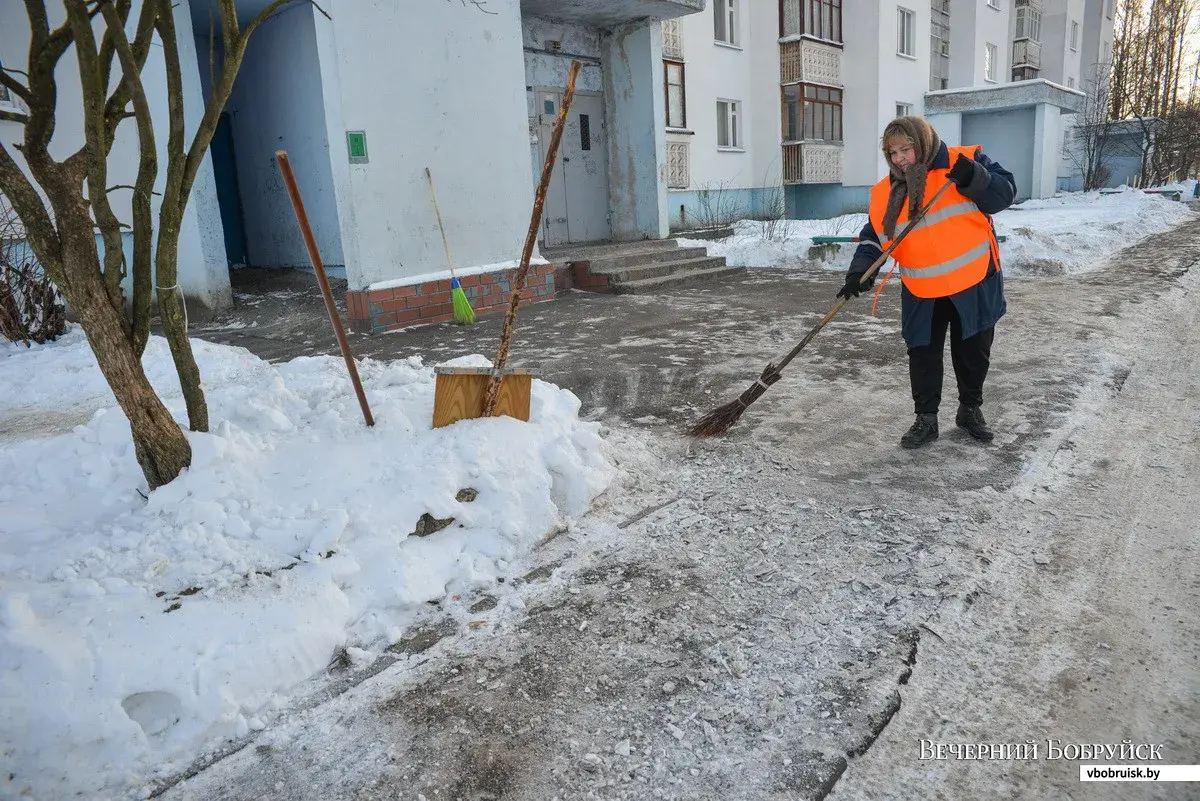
pixel 539 200
pixel 442 228
pixel 879 262
pixel 310 242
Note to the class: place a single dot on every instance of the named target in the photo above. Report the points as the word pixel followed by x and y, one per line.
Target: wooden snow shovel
pixel 464 393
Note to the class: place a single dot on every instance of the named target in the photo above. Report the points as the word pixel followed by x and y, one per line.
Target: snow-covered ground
pixel 1072 233
pixel 133 632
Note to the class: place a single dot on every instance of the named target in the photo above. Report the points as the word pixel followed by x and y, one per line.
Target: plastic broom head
pixel 463 313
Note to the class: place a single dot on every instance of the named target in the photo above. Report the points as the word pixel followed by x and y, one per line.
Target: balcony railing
pixel 1027 53
pixel 810 62
pixel 812 163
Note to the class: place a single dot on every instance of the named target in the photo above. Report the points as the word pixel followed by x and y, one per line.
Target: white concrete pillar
pixel 637 144
pixel 1046 153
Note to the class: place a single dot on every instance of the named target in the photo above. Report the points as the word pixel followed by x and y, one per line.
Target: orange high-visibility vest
pixel 951 247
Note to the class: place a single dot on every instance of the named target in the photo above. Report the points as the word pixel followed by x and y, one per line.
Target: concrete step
pixel 599 250
pixel 615 266
pixel 683 278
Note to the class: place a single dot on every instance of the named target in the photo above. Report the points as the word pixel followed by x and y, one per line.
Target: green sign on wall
pixel 356 144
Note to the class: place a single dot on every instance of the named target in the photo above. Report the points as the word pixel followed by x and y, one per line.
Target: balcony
pixel 812 163
pixel 807 61
pixel 1027 53
pixel 607 14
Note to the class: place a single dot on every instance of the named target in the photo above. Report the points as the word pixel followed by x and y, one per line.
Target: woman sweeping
pixel 949 266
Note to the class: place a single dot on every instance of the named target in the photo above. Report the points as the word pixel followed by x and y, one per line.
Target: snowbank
pixel 134 632
pixel 1070 234
pixel 779 243
pixel 1078 233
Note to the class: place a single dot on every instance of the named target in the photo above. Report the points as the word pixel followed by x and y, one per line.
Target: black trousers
pixel 971 358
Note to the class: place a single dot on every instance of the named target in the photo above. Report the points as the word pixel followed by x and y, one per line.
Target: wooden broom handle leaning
pixel 879 262
pixel 539 200
pixel 289 179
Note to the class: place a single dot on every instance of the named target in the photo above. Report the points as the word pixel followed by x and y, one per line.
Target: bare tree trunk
pixel 170 298
pixel 161 446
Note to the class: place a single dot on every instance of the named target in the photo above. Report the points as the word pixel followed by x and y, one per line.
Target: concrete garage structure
pixel 1020 125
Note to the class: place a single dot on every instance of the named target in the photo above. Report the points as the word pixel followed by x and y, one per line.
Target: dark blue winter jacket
pixel 979 307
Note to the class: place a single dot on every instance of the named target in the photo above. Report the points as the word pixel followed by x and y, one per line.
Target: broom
pixel 463 313
pixel 721 419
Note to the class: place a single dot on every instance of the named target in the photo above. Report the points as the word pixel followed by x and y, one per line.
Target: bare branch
pixel 12 84
pixel 115 109
pixel 116 187
pixel 28 204
pixel 479 4
pixel 12 115
pixel 235 51
pixel 143 220
pixel 91 79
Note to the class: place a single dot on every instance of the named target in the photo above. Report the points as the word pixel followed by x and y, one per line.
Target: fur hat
pixel 908 183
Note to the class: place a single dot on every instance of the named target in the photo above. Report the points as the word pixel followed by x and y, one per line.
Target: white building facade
pixel 841 79
pixel 365 98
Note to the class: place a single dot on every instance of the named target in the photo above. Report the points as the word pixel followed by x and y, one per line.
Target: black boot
pixel 925 429
pixel 971 418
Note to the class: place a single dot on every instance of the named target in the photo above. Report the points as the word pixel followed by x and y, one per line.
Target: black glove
pixel 963 172
pixel 854 285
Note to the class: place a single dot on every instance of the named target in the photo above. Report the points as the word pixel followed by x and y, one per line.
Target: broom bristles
pixel 463 313
pixel 722 418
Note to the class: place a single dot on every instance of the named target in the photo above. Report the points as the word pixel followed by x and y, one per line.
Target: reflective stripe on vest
pixel 952 246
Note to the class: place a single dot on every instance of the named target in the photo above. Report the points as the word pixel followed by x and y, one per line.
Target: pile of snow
pixel 778 243
pixel 1071 234
pixel 1078 233
pixel 134 633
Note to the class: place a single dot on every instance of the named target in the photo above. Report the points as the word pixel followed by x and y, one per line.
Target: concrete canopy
pixel 610 13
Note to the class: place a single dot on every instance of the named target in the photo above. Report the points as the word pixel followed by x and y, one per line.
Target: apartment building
pixel 793 94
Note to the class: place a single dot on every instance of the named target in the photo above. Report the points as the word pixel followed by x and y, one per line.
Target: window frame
pixel 727 12
pixel 906 34
pixel 834 125
pixel 907 109
pixel 991 54
pixel 732 130
pixel 667 64
pixel 1074 36
pixel 821 11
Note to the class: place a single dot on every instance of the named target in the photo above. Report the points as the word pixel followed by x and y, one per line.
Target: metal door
pixel 577 200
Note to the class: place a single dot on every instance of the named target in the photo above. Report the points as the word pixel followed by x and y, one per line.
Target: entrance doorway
pixel 576 207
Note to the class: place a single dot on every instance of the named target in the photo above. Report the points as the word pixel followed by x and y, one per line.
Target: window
pixel 903 109
pixel 821 19
pixel 1070 83
pixel 1074 36
pixel 994 3
pixel 812 113
pixel 729 121
pixel 1029 24
pixel 1107 46
pixel 725 17
pixel 905 33
pixel 1108 10
pixel 676 96
pixel 989 62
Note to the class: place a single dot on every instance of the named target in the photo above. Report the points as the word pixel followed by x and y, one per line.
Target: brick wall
pixel 380 310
